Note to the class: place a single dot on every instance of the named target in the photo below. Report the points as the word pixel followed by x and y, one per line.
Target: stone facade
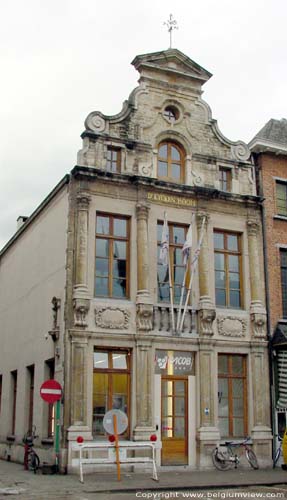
pixel 166 108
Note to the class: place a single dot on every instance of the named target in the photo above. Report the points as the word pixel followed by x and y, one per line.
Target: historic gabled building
pixel 269 149
pixel 92 248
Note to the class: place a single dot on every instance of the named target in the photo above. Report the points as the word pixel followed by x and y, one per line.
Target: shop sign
pixel 174 362
pixel 170 199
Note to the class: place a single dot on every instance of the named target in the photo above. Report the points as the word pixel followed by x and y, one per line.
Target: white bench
pixel 110 457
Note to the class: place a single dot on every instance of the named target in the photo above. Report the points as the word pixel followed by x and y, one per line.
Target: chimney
pixel 21 220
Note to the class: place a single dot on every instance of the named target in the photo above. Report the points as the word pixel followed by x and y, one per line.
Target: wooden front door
pixel 174 429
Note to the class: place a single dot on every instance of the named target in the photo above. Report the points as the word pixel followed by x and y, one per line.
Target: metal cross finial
pixel 171 25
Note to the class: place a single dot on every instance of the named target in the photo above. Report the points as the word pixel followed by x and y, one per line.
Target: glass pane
pixel 100 360
pixel 119 288
pixel 175 153
pixel 102 247
pixel 102 287
pixel 233 262
pixel 232 242
pixel 220 297
pixel 166 427
pixel 220 279
pixel 162 169
pixel 175 171
pixel 119 249
pixel 120 269
pixel 234 298
pixel 222 364
pixel 179 427
pixel 238 427
pixel 219 261
pixel 120 391
pixel 120 227
pixel 223 427
pixel 218 240
pixel 177 256
pixel 237 407
pixel 159 231
pixel 177 292
pixel 119 361
pixel 102 267
pixel 100 401
pixel 109 154
pixel 162 273
pixel 178 235
pixel 167 387
pixel 179 274
pixel 223 406
pixel 163 293
pixel 179 406
pixel 234 281
pixel 237 365
pixel 179 387
pixel 237 388
pixel 102 224
pixel 163 151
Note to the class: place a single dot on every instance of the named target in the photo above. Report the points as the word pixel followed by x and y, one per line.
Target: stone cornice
pixel 266 146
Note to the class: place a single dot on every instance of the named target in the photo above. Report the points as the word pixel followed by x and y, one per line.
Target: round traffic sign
pixel 122 421
pixel 51 391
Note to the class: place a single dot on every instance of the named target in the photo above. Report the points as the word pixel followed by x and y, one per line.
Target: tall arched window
pixel 170 162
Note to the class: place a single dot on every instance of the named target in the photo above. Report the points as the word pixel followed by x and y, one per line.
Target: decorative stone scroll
pixel 144 316
pixel 240 151
pixel 113 318
pixel 81 309
pixel 231 326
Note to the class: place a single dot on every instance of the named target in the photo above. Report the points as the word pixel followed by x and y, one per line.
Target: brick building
pixel 92 249
pixel 269 148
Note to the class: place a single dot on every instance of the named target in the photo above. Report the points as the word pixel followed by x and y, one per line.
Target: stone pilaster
pixel 261 431
pixel 80 295
pixel 144 358
pixel 206 310
pixel 257 311
pixel 208 433
pixel 143 300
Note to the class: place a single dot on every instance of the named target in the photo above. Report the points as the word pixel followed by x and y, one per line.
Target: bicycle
pixel 278 452
pixel 224 456
pixel 31 459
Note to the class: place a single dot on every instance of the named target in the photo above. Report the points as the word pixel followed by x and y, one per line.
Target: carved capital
pixel 81 309
pixel 206 317
pixel 142 211
pixel 112 318
pixel 144 316
pixel 258 319
pixel 83 201
pixel 252 227
pixel 200 216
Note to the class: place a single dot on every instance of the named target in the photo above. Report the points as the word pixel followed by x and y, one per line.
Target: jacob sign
pixel 174 363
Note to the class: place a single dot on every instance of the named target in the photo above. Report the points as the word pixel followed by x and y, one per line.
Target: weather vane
pixel 171 25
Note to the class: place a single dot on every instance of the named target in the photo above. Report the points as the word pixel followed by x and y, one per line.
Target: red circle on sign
pixel 51 391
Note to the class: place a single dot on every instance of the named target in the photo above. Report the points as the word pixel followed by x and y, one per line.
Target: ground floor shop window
pixel 232 395
pixel 111 385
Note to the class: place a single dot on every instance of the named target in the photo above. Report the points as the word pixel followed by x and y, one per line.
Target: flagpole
pixel 170 285
pixel 194 266
pixel 183 286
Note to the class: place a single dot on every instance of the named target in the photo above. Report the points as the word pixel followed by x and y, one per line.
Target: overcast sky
pixel 62 59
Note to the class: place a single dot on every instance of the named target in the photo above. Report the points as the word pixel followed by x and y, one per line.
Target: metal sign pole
pixel 117 446
pixel 57 433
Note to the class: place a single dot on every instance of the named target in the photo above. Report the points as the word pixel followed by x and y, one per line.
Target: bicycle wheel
pixel 220 460
pixel 252 459
pixel 33 462
pixel 276 458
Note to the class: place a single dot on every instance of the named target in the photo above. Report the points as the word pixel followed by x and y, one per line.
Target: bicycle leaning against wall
pixel 31 459
pixel 224 456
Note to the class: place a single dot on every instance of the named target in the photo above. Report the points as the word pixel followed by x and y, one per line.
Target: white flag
pixel 187 245
pixel 164 245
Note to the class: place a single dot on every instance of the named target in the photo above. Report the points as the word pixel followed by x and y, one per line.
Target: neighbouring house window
pixel 0 392
pixel 14 400
pixel 232 395
pixel 31 372
pixel 177 236
pixel 111 385
pixel 224 179
pixel 227 266
pixel 283 264
pixel 170 166
pixel 50 368
pixel 113 160
pixel 112 256
pixel 281 198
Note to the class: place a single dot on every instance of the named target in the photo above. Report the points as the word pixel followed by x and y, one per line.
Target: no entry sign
pixel 51 391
